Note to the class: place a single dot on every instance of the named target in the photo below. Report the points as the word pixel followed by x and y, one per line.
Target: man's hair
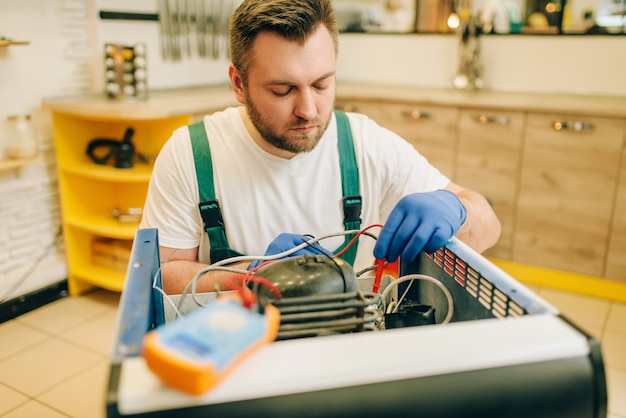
pixel 295 20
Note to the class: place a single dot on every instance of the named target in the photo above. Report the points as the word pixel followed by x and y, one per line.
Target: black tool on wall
pixel 101 150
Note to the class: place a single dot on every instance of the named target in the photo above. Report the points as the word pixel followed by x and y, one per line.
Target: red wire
pixel 268 284
pixel 353 240
pixel 247 296
pixel 379 263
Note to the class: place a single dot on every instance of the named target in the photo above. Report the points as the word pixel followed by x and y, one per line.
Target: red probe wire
pixel 353 240
pixel 380 264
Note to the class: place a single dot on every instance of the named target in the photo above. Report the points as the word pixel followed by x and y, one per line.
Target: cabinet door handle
pixel 416 114
pixel 576 125
pixel 495 119
pixel 347 107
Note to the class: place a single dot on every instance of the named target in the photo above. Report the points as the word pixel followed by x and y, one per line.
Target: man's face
pixel 290 92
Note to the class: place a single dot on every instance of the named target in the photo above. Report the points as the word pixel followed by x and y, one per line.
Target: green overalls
pixel 210 208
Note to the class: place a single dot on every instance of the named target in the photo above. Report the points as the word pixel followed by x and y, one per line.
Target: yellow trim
pixel 571 282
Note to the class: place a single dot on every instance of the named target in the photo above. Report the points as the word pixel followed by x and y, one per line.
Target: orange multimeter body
pixel 195 352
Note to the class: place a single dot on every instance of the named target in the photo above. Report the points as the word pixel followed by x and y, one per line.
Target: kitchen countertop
pixel 611 106
pixel 159 104
pixel 167 103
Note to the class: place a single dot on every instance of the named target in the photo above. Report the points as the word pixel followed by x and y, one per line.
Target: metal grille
pixel 493 299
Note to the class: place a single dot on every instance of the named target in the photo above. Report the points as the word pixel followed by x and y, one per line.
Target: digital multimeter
pixel 192 354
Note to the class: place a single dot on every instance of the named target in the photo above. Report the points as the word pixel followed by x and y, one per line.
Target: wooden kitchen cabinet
pixel 568 181
pixel 616 257
pixel 555 191
pixel 431 129
pixel 488 161
pixel 560 195
pixel 373 109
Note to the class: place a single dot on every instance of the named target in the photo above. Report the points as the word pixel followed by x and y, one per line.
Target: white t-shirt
pixel 262 195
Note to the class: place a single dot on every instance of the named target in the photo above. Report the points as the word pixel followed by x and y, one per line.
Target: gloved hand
pixel 420 221
pixel 287 241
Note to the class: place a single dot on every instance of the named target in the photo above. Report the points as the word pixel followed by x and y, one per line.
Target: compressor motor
pixel 320 296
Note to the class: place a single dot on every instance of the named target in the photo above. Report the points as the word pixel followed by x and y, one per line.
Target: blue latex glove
pixel 420 221
pixel 287 241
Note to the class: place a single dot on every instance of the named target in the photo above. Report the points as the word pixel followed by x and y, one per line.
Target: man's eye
pixel 281 93
pixel 321 86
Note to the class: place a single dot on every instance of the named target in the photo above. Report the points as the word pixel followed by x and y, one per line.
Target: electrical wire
pixel 177 308
pixel 401 299
pixel 33 267
pixel 319 248
pixel 191 287
pixel 366 270
pixel 333 260
pixel 395 305
pixel 248 275
pixel 356 237
pixel 248 296
pixel 161 291
pixel 166 296
pixel 440 285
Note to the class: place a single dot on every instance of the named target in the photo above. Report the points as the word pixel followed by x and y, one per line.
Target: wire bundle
pixel 358 311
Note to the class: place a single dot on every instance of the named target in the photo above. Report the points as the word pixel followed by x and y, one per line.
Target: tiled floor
pixel 54 360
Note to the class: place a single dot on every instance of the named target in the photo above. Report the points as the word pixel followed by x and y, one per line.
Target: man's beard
pixel 295 144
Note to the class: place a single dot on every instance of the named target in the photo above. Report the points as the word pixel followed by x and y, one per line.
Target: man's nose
pixel 305 107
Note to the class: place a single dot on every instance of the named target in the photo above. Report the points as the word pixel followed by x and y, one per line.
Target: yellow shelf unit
pixel 139 173
pixel 90 192
pixel 83 272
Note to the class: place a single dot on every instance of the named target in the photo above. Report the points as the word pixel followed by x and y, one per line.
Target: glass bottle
pixel 20 137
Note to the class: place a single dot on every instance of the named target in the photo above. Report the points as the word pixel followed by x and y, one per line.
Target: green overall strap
pixel 209 206
pixel 352 202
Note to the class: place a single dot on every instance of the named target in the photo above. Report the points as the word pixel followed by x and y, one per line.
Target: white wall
pixel 65 58
pixel 564 64
pixel 67 41
pixel 43 68
pixel 162 73
pixel 31 255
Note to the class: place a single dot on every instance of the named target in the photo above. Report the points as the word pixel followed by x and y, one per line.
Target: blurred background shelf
pixel 139 173
pixel 9 42
pixel 91 274
pixel 99 225
pixel 10 164
pixel 91 194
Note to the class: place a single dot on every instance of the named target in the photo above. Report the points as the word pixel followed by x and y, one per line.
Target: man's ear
pixel 237 84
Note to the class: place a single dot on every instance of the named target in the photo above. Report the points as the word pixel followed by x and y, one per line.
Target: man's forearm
pixel 481 228
pixel 176 275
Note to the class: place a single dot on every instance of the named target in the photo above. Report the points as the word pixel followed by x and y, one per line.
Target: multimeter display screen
pixel 188 344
